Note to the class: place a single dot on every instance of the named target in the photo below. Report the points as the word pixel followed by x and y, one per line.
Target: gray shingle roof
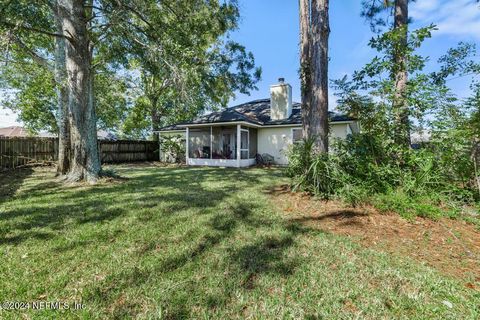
pixel 255 112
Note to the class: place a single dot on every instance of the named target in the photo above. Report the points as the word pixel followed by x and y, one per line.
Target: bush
pixel 406 206
pixel 173 148
pixel 365 169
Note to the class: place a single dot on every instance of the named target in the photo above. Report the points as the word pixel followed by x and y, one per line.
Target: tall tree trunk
pixel 85 161
pixel 62 101
pixel 400 102
pixel 319 58
pixel 305 65
pixel 314 34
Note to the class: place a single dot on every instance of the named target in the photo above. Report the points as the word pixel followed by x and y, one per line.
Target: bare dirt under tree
pixel 450 246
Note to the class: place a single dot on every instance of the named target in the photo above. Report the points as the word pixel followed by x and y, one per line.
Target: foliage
pixel 173 147
pixel 27 69
pixel 379 13
pixel 33 95
pixel 370 94
pixel 192 67
pixel 35 100
pixel 154 62
pixel 370 167
pixel 367 169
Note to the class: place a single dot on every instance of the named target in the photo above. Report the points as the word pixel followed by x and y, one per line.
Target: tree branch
pixel 45 32
pixel 40 60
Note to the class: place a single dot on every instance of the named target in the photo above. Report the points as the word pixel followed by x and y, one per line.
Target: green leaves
pixel 171 58
pixel 33 95
pixel 189 65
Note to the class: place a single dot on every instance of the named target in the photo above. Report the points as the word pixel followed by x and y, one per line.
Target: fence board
pixel 18 151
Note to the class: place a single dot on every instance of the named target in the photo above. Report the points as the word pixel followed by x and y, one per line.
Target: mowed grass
pixel 173 243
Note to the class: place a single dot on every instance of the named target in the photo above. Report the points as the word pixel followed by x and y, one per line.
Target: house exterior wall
pixel 276 141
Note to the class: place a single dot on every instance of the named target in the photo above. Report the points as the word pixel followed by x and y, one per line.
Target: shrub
pixel 173 147
pixel 365 169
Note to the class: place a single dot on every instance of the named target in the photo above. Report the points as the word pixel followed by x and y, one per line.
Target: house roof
pixel 254 112
pixel 13 131
pixel 17 131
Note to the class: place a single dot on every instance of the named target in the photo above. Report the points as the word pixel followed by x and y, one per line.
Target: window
pixel 244 144
pixel 297 135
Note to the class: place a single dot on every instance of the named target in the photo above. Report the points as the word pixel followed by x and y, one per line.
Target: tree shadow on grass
pixel 209 192
pixel 220 227
pixel 345 214
pixel 264 255
pixel 175 190
pixel 25 236
pixel 10 181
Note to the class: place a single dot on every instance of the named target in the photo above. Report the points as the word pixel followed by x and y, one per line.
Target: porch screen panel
pixel 199 143
pixel 253 143
pixel 217 152
pixel 224 142
pixel 244 144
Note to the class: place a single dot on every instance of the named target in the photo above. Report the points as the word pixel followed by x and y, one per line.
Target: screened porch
pixel 218 146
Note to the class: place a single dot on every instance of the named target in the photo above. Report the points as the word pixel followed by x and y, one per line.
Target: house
pixel 261 126
pixel 17 131
pixel 13 131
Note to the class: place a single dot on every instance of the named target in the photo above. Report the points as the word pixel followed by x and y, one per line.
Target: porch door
pixel 244 144
pixel 228 145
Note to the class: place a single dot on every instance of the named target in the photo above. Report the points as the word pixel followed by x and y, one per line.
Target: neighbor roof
pixel 13 131
pixel 254 112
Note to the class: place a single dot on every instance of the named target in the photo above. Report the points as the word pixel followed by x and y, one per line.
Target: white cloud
pixel 453 17
pixel 420 9
pixel 8 118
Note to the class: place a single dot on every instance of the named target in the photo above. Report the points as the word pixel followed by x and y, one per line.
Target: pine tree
pixel 314 34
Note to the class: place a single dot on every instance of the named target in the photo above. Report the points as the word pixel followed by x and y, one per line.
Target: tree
pixel 102 38
pixel 372 11
pixel 71 24
pixel 400 105
pixel 37 67
pixel 372 92
pixel 63 116
pixel 314 34
pixel 456 126
pixel 198 68
pixel 85 161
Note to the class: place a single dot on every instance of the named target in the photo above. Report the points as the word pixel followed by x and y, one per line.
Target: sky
pixel 270 29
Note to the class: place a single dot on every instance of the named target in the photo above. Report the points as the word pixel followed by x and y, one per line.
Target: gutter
pixel 197 125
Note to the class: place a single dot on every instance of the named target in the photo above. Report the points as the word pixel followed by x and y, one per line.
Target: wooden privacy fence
pixel 128 151
pixel 19 151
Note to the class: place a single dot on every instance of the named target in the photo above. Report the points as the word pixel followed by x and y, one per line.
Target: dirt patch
pixel 450 246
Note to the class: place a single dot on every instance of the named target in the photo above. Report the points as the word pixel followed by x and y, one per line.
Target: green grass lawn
pixel 198 243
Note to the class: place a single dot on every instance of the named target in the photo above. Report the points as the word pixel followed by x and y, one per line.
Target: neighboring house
pixel 14 131
pixel 420 138
pixel 105 135
pixel 17 131
pixel 261 126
